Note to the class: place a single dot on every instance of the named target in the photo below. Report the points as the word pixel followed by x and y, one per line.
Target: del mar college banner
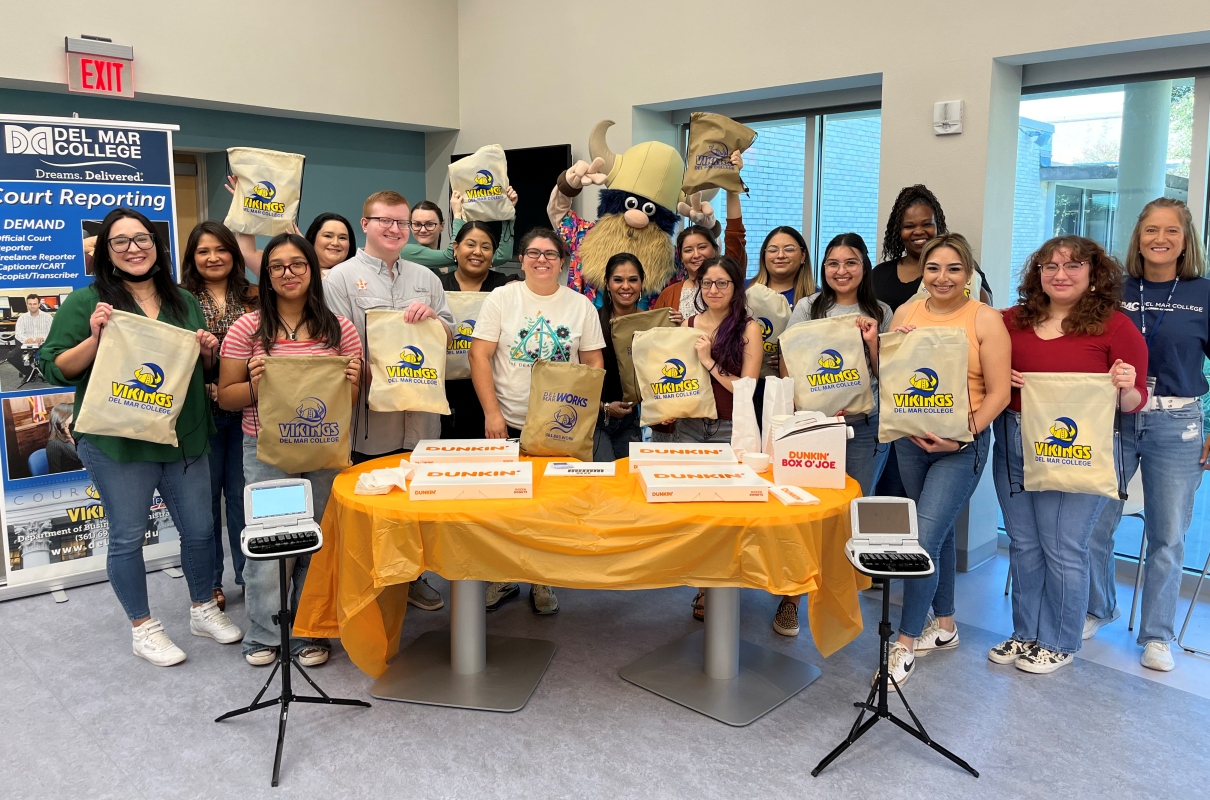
pixel 59 177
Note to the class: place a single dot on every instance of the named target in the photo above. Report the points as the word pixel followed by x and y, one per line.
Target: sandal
pixel 220 598
pixel 699 607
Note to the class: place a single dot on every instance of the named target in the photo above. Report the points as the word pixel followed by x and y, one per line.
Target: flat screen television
pixel 532 172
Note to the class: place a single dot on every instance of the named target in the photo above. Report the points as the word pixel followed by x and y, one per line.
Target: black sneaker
pixel 1041 661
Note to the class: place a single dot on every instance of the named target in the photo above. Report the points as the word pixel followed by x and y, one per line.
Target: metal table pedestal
pixel 466 668
pixel 714 673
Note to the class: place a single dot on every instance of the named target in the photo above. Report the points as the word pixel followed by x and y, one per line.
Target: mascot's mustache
pixel 611 235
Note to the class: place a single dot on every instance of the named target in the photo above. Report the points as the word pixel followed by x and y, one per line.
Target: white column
pixel 1143 155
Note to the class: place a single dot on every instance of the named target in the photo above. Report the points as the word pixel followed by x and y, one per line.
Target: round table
pixel 578 532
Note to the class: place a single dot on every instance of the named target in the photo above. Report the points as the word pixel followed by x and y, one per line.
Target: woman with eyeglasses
pixel 694 245
pixel 521 322
pixel 474 248
pixel 1066 320
pixel 133 273
pixel 428 223
pixel 785 265
pixel 618 422
pixel 291 320
pixel 1167 297
pixel 941 474
pixel 212 269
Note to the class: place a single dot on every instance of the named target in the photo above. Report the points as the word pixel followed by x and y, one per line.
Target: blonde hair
pixel 387 197
pixel 1190 264
pixel 956 242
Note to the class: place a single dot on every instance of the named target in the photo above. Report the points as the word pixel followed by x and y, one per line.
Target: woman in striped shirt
pixel 291 320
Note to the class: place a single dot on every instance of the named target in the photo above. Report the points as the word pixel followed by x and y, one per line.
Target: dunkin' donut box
pixel 472 480
pixel 436 451
pixel 645 454
pixel 703 483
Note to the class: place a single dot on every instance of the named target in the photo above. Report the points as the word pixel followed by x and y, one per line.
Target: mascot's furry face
pixel 611 234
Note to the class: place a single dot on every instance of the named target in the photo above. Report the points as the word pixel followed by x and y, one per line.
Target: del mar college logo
pixel 716 157
pixel 922 396
pixel 485 187
pixel 832 373
pixel 1060 447
pixel 143 391
pixel 766 332
pixel 463 333
pixel 674 383
pixel 563 420
pixel 411 369
pixel 261 201
pixel 309 425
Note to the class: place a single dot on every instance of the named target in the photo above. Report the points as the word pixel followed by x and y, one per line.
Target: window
pixel 848 179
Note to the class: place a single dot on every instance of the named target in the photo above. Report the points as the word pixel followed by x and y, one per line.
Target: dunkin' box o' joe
pixel 650 454
pixel 810 452
pixel 436 451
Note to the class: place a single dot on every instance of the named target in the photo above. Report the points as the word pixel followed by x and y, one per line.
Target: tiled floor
pixel 83 718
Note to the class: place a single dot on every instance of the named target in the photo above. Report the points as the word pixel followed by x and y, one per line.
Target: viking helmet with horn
pixel 652 170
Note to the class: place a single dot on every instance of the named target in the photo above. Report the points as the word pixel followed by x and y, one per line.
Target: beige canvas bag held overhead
pixel 407 362
pixel 482 178
pixel 771 310
pixel 673 382
pixel 712 139
pixel 465 308
pixel 305 407
pixel 922 384
pixel 564 403
pixel 267 191
pixel 139 380
pixel 826 359
pixel 622 331
pixel 1067 423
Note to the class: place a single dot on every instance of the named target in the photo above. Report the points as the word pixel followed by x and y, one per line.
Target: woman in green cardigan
pixel 133 272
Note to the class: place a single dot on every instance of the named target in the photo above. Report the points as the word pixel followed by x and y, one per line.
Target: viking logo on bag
pixel 832 373
pixel 673 384
pixel 922 394
pixel 716 157
pixel 142 392
pixel 462 336
pixel 485 187
pixel 261 201
pixel 411 369
pixel 308 426
pixel 1061 448
pixel 766 333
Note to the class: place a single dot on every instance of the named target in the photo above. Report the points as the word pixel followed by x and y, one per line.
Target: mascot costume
pixel 638 210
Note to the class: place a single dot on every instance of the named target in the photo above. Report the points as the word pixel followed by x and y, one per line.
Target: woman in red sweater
pixel 1066 320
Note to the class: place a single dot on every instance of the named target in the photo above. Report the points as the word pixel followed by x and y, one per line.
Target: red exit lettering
pixel 101 76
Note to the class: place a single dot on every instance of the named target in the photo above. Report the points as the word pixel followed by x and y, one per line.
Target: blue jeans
pixel 263 595
pixel 227 478
pixel 1048 535
pixel 612 439
pixel 127 490
pixel 940 484
pixel 1167 444
pixel 864 457
pixel 703 431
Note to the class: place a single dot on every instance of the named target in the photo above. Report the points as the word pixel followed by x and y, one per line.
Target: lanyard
pixel 1143 311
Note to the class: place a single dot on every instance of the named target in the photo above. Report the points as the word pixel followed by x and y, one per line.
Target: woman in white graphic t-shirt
pixel 520 323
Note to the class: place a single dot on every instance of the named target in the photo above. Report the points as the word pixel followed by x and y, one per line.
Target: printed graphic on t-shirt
pixel 541 339
pixel 1159 305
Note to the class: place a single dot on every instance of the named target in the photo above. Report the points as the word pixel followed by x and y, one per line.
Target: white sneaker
pixel 899 664
pixel 207 620
pixel 1008 651
pixel 935 637
pixel 151 643
pixel 313 656
pixel 1093 624
pixel 1157 656
pixel 1041 661
pixel 262 657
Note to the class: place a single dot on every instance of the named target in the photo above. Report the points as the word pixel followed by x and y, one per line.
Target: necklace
pixel 942 313
pixel 293 331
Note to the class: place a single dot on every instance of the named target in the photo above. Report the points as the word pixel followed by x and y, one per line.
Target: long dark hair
pixel 321 323
pixel 866 300
pixel 108 278
pixel 804 282
pixel 239 290
pixel 616 260
pixel 893 247
pixel 729 341
pixel 318 223
pixel 686 232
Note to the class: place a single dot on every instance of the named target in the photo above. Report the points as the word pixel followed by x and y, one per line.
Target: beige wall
pixel 357 60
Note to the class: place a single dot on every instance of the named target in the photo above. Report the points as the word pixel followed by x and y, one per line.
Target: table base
pixel 423 674
pixel 766 679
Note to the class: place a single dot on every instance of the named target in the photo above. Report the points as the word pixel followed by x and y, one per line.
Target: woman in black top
pixel 915 218
pixel 61 445
pixel 618 422
pixel 474 246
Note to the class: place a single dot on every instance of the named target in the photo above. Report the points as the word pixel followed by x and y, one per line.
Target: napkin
pixel 381 481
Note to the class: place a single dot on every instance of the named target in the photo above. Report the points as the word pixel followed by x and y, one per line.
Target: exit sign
pixel 96 67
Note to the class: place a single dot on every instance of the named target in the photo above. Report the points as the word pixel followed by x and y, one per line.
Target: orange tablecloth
pixel 584 533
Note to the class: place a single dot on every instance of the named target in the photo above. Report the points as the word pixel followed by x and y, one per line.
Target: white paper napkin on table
pixel 381 481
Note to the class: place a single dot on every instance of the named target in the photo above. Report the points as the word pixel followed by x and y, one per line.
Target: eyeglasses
pixel 536 254
pixel 417 226
pixel 851 264
pixel 386 223
pixel 121 244
pixel 722 286
pixel 295 267
pixel 790 250
pixel 1070 267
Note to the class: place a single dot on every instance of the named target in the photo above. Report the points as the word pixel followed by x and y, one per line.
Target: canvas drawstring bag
pixel 826 358
pixel 712 139
pixel 673 382
pixel 305 408
pixel 407 362
pixel 482 178
pixel 1067 424
pixel 564 402
pixel 268 190
pixel 922 384
pixel 622 330
pixel 465 308
pixel 771 310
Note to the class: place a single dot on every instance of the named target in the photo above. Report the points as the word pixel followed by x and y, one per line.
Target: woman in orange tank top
pixel 941 474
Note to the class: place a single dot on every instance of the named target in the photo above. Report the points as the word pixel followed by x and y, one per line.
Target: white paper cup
pixel 758 461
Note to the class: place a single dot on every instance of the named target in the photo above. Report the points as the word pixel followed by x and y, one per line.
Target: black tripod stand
pixel 285 621
pixel 881 711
